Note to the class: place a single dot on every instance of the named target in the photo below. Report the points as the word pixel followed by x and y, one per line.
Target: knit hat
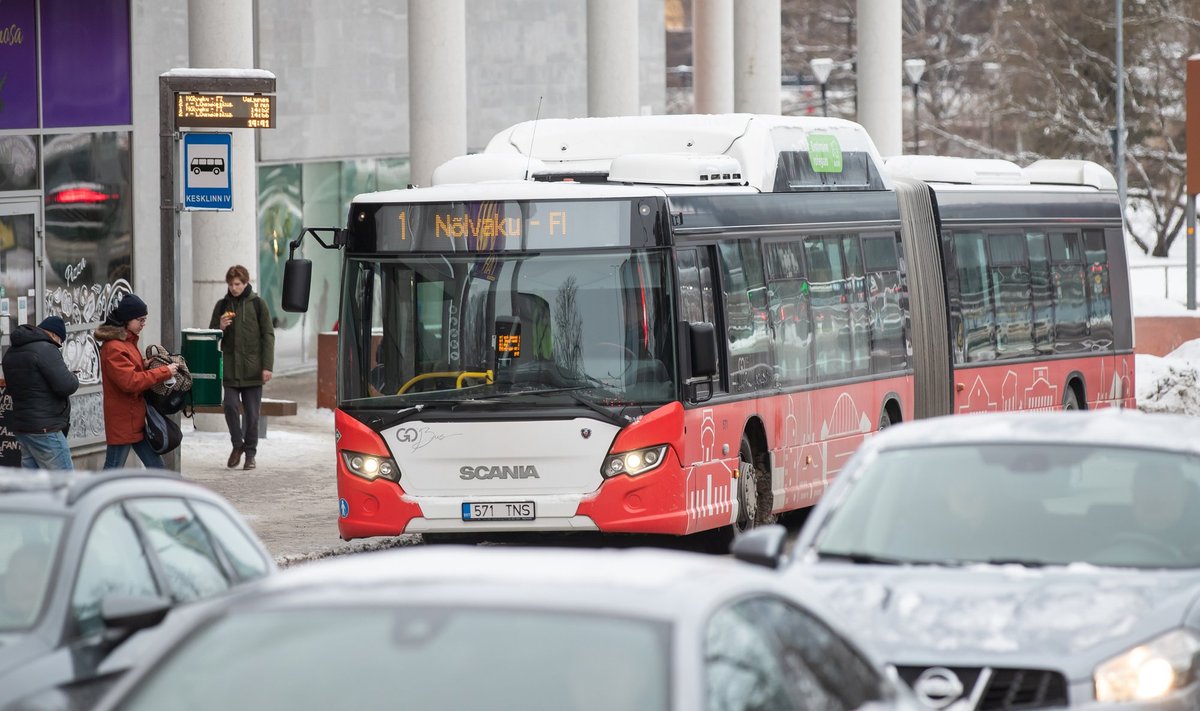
pixel 128 309
pixel 55 325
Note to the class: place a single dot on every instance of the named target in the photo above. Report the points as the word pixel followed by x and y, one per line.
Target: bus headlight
pixel 371 467
pixel 1148 671
pixel 634 462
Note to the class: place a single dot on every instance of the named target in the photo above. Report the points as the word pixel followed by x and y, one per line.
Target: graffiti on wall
pixel 84 303
pixel 10 448
pixel 87 417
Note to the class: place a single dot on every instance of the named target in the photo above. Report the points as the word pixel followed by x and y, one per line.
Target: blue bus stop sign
pixel 205 164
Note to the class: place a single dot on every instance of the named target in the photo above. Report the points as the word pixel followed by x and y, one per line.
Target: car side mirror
pixel 703 342
pixel 297 283
pixel 761 546
pixel 125 615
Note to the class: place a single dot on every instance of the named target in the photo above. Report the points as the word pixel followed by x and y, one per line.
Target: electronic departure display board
pixel 205 110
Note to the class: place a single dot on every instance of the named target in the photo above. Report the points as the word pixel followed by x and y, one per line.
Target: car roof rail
pixel 81 486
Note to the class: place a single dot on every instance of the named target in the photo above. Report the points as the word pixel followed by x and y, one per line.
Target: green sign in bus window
pixel 824 153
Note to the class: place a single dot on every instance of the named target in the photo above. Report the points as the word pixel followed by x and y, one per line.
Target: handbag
pixel 162 432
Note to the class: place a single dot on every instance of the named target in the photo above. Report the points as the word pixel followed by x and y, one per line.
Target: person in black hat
pixel 126 380
pixel 40 385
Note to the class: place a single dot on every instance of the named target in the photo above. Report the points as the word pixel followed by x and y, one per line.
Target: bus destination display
pixel 498 226
pixel 225 110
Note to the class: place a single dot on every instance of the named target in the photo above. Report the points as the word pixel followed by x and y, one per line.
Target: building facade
pixel 79 146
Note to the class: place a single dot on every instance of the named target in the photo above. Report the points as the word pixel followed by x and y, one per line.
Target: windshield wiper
pixel 619 420
pixel 862 558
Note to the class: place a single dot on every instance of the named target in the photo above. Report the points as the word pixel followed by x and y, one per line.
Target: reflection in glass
pixel 278 223
pixel 89 218
pixel 18 163
pixel 16 270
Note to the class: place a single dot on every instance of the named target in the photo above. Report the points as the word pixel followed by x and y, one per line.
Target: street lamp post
pixel 821 67
pixel 914 68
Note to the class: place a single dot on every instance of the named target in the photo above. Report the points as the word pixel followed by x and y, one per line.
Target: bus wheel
pixel 885 420
pixel 748 474
pixel 1071 400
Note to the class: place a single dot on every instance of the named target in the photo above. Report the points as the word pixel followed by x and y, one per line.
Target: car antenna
pixel 532 135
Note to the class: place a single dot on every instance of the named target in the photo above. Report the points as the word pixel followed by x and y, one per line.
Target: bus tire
pixel 885 420
pixel 750 483
pixel 1070 399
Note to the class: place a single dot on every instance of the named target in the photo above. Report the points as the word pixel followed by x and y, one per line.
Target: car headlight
pixel 1148 671
pixel 371 467
pixel 634 462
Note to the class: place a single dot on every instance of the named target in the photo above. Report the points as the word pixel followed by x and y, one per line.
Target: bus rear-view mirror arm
pixel 297 273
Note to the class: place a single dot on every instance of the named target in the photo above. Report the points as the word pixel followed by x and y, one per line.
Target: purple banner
pixel 18 64
pixel 85 63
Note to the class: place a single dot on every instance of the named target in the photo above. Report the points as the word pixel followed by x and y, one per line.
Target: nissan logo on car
pixel 495 471
pixel 938 687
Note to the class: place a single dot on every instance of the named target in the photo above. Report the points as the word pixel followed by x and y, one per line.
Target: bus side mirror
pixel 703 339
pixel 297 281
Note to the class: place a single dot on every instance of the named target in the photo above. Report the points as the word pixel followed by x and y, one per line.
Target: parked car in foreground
pixel 452 627
pixel 1008 561
pixel 87 561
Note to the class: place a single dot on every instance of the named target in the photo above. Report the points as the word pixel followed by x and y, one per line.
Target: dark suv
pixel 89 562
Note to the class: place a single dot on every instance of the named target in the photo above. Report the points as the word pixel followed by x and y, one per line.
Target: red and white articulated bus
pixel 674 324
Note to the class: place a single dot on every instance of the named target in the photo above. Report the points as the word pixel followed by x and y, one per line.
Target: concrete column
pixel 712 55
pixel 756 50
pixel 880 78
pixel 437 84
pixel 612 57
pixel 221 36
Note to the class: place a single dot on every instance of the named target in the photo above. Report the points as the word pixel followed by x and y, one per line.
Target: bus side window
pixel 1042 292
pixel 1099 288
pixel 978 319
pixel 1070 292
pixel 1011 295
pixel 746 312
pixel 787 291
pixel 860 317
pixel 885 291
pixel 690 307
pixel 830 312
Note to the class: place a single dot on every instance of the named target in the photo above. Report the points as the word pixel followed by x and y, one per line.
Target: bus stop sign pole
pixel 173 113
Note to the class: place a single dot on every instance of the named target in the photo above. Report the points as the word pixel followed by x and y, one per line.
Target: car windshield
pixel 470 326
pixel 415 658
pixel 1030 504
pixel 28 548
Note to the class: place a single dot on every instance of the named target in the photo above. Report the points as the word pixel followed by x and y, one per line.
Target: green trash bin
pixel 201 350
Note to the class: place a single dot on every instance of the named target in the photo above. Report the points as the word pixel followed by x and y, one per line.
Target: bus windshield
pixel 536 328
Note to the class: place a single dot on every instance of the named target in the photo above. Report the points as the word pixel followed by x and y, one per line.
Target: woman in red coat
pixel 126 380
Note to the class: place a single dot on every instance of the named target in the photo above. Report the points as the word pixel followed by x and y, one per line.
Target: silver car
pixel 451 627
pixel 1016 561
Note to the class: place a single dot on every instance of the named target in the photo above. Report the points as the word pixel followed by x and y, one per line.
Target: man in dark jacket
pixel 247 358
pixel 40 386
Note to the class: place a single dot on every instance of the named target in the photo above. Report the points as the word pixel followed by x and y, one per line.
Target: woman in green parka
pixel 248 356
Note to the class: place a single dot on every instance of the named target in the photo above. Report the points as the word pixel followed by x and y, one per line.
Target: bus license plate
pixel 498 511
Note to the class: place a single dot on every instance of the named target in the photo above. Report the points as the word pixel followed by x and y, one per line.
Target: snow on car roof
pixel 1109 428
pixel 634 570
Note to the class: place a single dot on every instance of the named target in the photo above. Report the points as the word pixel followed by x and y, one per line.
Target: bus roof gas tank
pixel 676 169
pixel 959 171
pixel 774 153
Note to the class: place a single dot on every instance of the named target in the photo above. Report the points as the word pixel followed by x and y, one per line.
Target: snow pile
pixel 1168 384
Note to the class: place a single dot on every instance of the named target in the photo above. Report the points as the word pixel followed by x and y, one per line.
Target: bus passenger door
pixel 696 305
